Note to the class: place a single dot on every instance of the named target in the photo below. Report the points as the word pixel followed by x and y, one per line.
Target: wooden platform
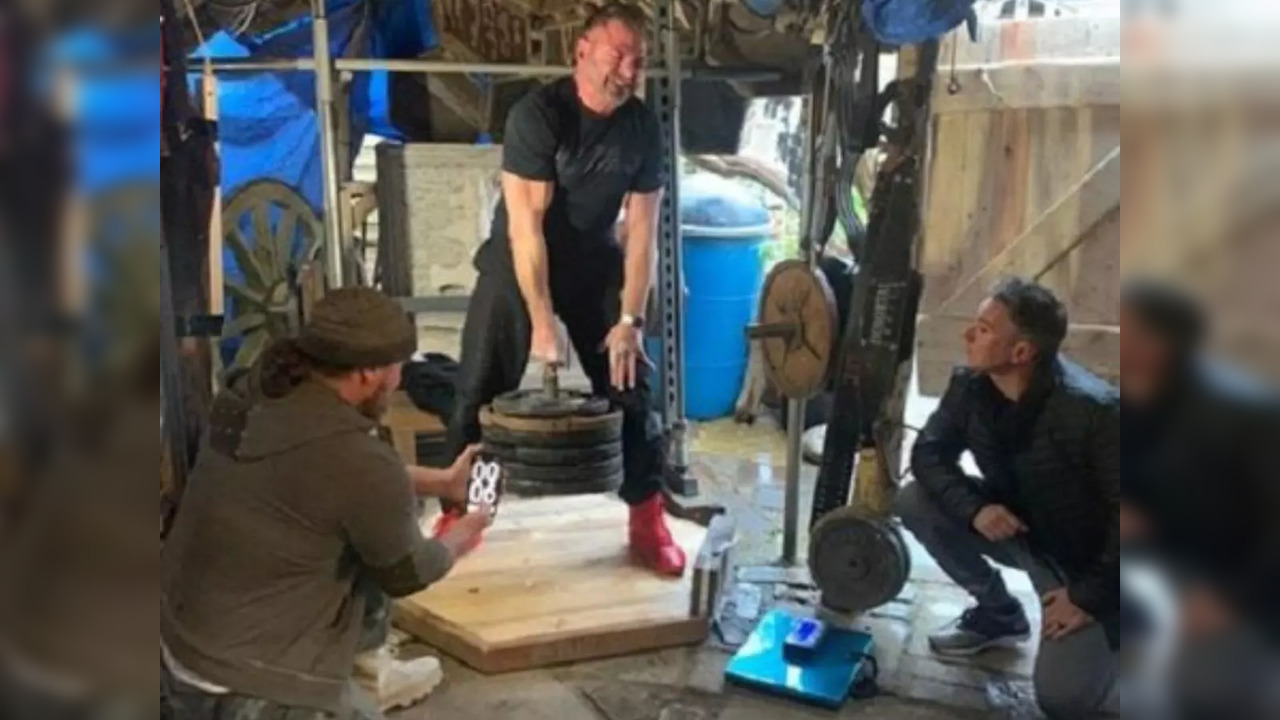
pixel 552 584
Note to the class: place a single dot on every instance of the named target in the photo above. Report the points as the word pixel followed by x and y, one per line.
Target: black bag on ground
pixel 429 383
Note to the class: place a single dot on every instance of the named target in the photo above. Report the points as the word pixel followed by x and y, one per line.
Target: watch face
pixel 486 483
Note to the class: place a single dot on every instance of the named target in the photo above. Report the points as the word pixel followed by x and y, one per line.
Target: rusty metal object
pixel 553 441
pixel 797 329
pixel 859 562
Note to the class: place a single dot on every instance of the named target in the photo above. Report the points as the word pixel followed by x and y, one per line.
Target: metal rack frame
pixel 666 74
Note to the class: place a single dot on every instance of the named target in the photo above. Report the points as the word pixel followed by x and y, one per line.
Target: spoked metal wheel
pixel 273 234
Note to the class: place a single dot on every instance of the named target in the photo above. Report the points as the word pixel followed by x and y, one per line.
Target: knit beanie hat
pixel 358 327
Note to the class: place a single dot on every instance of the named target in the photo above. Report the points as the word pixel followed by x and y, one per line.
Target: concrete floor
pixel 743 468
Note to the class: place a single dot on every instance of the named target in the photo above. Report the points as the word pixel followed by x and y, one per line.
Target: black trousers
pixel 495 353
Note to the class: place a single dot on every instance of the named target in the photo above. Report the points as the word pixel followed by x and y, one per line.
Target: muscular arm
pixel 430 482
pixel 528 184
pixel 642 207
pixel 527 202
pixel 641 240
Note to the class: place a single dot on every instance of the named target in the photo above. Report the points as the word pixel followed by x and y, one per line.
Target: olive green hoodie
pixel 290 502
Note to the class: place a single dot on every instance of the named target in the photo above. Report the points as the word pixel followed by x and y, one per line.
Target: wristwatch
pixel 634 321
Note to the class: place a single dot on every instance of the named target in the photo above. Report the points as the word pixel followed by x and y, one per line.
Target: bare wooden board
pixel 405 421
pixel 553 584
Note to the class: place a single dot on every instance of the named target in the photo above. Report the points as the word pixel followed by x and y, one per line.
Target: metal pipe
pixel 333 252
pixel 791 495
pixel 232 65
pixel 670 249
pixel 816 91
pixel 445 66
pixel 772 331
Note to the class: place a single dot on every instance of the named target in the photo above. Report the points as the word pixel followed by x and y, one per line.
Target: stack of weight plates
pixel 566 444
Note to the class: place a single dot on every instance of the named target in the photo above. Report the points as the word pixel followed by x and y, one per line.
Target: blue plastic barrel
pixel 724 230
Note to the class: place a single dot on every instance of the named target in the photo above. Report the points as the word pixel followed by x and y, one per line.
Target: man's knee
pixel 1077 683
pixel 916 509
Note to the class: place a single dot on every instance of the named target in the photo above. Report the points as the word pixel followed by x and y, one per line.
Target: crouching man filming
pixel 1046 437
pixel 295 523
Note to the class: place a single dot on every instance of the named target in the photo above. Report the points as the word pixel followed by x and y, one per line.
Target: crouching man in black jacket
pixel 1200 497
pixel 1045 434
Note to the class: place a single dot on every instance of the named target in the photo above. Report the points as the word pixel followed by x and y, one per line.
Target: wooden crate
pixel 552 584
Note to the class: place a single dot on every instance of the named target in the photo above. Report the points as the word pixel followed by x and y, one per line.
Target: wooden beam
pixel 1043 245
pixel 1022 85
pixel 217 293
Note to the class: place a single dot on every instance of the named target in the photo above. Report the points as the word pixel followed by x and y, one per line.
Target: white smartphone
pixel 486 483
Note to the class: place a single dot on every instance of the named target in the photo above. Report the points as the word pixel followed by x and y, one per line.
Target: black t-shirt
pixel 594 162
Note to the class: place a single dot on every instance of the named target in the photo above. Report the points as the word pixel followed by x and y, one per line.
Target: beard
pixel 376 405
pixel 619 91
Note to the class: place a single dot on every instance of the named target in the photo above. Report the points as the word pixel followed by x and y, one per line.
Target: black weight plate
pixel 557 457
pixel 538 404
pixel 603 484
pixel 859 564
pixel 584 472
pixel 578 439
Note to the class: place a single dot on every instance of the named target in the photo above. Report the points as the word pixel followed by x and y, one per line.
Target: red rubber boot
pixel 446 521
pixel 651 541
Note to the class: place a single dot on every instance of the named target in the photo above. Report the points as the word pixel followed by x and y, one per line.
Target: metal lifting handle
pixel 551 380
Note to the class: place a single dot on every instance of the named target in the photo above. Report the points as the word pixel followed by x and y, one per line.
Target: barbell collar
pixel 771 331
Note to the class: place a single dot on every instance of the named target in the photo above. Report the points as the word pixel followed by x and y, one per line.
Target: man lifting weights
pixel 577 152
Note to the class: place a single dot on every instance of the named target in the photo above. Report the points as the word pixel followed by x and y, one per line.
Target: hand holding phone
pixel 484 489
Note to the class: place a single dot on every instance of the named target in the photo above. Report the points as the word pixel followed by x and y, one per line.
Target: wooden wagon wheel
pixel 273 234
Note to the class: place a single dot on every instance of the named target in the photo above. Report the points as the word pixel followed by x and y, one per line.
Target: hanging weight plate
pixel 857 563
pixel 797 328
pixel 556 457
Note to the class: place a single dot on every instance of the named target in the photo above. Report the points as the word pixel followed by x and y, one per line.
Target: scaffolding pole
pixel 444 67
pixel 666 105
pixel 334 256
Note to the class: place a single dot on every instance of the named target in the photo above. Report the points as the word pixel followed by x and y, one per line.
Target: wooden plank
pixel 1043 244
pixel 1036 84
pixel 553 584
pixel 405 421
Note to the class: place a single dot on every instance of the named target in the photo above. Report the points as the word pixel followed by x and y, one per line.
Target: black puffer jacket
pixel 1202 466
pixel 1053 459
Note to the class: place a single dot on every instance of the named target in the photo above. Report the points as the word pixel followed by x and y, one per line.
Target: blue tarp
pixel 267 120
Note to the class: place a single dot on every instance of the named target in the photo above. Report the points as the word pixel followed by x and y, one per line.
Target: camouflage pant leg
pixel 376 623
pixel 183 702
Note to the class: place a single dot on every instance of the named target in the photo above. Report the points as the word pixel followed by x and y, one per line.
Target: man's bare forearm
pixel 529 251
pixel 637 278
pixel 429 482
pixel 642 230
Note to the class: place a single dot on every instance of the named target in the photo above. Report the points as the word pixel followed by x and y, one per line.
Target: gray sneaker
pixel 980 629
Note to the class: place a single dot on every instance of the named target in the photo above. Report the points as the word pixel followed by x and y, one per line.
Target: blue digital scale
pixel 804 659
